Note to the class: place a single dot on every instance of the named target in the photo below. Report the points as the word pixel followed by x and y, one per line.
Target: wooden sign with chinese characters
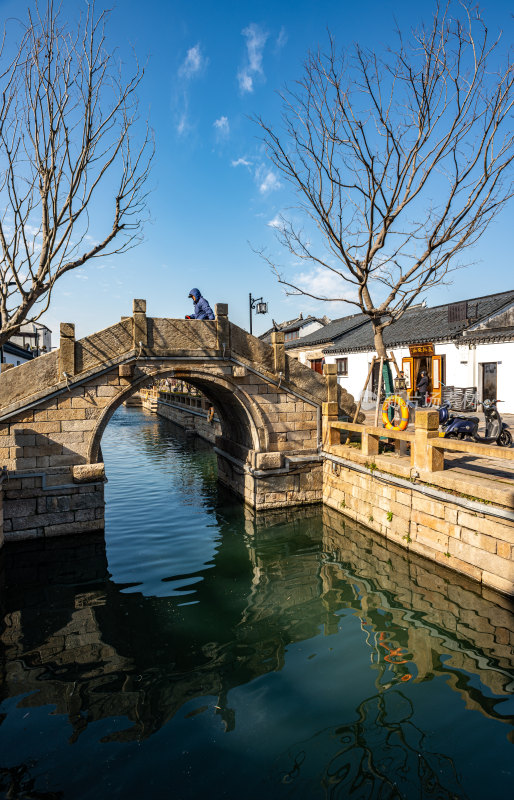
pixel 421 350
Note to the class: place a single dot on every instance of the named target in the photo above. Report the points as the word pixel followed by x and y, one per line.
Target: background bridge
pixel 55 408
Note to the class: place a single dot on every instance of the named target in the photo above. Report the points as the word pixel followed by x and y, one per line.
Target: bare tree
pixel 68 127
pixel 401 160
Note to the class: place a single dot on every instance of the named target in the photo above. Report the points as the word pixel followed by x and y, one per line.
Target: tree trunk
pixel 378 335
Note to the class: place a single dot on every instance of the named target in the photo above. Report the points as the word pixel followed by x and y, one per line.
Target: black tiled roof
pixel 428 324
pixel 334 329
pixel 291 325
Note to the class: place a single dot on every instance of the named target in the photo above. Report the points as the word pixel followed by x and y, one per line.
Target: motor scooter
pixel 496 431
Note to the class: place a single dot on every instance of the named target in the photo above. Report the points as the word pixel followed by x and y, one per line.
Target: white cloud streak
pixel 256 39
pixel 222 127
pixel 267 181
pixel 241 162
pixel 193 63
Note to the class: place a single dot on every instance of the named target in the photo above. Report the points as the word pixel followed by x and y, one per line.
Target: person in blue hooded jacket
pixel 202 307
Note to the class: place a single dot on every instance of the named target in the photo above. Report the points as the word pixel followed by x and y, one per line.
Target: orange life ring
pixel 210 414
pixel 395 400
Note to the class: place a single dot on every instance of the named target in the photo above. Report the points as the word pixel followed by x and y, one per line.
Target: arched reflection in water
pixel 282 654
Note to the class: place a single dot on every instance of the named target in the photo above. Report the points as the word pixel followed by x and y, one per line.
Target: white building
pixel 295 328
pixel 34 336
pixel 11 353
pixel 464 345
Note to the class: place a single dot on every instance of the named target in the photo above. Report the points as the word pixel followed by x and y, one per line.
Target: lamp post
pixel 259 305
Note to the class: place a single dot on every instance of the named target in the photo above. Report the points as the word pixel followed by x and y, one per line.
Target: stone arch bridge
pixel 55 408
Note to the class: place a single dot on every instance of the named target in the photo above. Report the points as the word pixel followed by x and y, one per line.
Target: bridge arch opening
pixel 241 421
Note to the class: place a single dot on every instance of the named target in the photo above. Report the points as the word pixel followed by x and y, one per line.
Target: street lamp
pixel 259 305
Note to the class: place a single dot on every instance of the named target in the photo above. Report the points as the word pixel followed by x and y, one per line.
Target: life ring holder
pixel 210 414
pixel 396 400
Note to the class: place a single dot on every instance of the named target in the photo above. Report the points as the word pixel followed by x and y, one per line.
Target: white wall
pixel 462 368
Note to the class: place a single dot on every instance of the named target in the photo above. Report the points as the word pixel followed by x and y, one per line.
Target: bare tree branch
pixel 69 127
pixel 400 159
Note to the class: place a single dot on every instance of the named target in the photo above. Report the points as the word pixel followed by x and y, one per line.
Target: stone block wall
pixel 475 544
pixel 286 486
pixel 51 504
pixel 193 423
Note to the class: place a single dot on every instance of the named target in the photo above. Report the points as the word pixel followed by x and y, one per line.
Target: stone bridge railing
pixel 145 337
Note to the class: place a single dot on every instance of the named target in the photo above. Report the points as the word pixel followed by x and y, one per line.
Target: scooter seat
pixel 473 419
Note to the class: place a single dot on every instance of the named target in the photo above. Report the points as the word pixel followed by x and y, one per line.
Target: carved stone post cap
pixel 278 337
pixel 67 330
pixel 329 369
pixel 139 306
pixel 221 309
pixel 427 419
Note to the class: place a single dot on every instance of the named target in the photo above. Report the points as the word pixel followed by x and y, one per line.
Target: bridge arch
pixel 242 422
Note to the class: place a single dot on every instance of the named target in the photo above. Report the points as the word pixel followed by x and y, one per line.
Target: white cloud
pixel 276 222
pixel 193 63
pixel 268 181
pixel 256 39
pixel 324 283
pixel 245 81
pixel 222 126
pixel 241 162
pixel 182 124
pixel 281 39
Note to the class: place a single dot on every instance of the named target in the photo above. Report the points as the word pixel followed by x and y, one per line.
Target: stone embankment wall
pixel 475 544
pixel 194 421
pixel 63 501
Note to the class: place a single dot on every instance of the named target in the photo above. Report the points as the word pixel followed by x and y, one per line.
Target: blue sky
pixel 210 66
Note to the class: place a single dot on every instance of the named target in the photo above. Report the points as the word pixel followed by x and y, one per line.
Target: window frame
pixel 339 362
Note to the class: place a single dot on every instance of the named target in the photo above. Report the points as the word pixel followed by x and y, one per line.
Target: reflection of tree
pixel 74 639
pixel 383 754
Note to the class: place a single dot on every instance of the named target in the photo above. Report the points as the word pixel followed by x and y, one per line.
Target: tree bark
pixel 378 336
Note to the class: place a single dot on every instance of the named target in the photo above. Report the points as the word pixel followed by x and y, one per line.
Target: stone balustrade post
pixel 331 436
pixel 222 328
pixel 67 349
pixel 330 373
pixel 369 443
pixel 278 339
pixel 426 428
pixel 140 326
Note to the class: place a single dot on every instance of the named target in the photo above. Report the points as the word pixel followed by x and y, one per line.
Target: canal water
pixel 201 650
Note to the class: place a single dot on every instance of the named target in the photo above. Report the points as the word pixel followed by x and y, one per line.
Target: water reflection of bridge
pixel 72 638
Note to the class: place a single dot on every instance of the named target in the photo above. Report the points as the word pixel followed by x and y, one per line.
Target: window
pixel 292 335
pixel 317 364
pixel 342 366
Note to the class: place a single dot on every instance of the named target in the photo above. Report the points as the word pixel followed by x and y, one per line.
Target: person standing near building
pixel 422 387
pixel 202 307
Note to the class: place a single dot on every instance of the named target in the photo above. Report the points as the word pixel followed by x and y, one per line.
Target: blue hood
pixel 196 292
